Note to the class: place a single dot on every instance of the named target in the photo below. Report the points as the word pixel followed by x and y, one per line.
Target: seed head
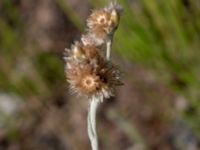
pixel 105 20
pixel 93 79
pixel 81 53
pixel 87 70
pixel 101 24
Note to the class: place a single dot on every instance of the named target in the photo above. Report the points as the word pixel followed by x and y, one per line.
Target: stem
pixel 108 49
pixel 92 123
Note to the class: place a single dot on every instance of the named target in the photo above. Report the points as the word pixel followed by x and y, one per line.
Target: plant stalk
pixel 92 123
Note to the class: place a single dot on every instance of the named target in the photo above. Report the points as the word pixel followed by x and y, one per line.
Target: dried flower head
pixel 80 52
pixel 105 20
pixel 101 24
pixel 93 79
pixel 87 70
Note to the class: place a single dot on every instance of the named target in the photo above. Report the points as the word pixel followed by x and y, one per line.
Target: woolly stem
pixel 92 123
pixel 108 49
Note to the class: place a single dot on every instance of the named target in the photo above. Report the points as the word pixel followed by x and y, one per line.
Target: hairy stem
pixel 92 123
pixel 108 49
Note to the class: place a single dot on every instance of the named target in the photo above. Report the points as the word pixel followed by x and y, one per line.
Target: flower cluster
pixel 87 70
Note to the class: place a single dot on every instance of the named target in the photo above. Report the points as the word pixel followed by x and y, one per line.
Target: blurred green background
pixel 157 47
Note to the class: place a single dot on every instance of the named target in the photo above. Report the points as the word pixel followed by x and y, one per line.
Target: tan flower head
pixel 80 52
pixel 105 20
pixel 92 79
pixel 101 25
pixel 87 70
